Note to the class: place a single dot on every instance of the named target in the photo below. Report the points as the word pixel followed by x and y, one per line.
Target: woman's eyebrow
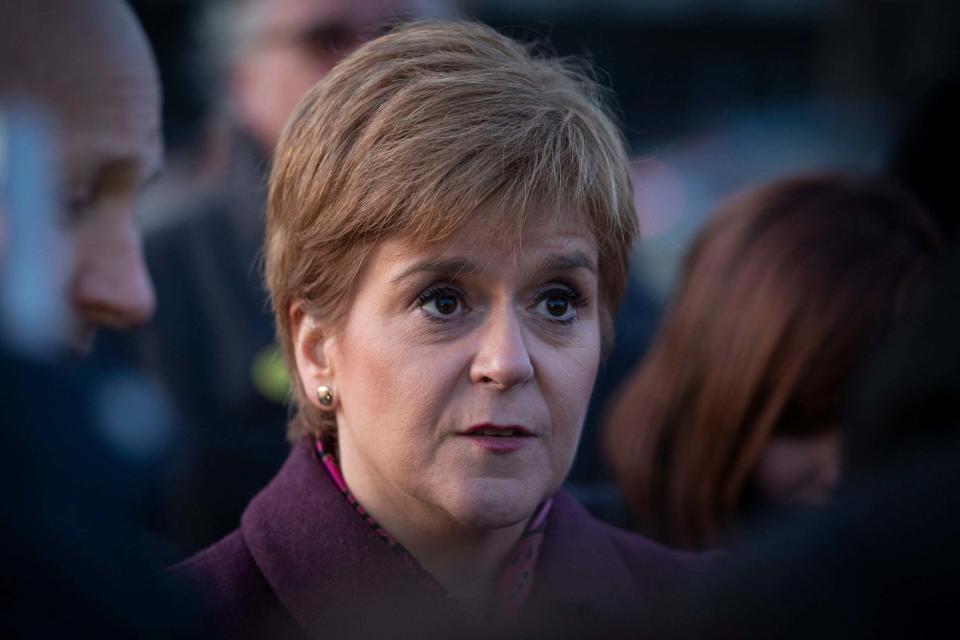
pixel 568 262
pixel 452 267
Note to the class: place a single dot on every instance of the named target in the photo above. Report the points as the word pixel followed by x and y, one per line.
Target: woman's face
pixel 463 372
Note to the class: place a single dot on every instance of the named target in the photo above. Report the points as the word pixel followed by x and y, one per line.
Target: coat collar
pixel 327 567
pixel 321 560
pixel 581 570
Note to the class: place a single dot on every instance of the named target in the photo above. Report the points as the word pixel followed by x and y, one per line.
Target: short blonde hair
pixel 414 133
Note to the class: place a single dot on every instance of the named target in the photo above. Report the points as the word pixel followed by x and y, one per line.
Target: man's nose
pixel 502 359
pixel 111 286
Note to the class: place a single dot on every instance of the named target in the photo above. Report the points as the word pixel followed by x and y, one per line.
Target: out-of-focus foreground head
pixel 274 51
pixel 87 66
pixel 739 397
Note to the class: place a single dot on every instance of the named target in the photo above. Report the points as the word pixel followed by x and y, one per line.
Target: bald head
pixel 68 55
pixel 87 65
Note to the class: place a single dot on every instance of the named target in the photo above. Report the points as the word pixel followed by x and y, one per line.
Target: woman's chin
pixel 493 503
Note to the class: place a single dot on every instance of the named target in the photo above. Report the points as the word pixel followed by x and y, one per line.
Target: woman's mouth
pixel 498 438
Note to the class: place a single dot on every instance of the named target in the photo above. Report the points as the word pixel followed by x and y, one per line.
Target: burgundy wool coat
pixel 304 564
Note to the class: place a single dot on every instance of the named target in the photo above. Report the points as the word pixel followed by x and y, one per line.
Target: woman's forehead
pixel 497 228
pixel 553 243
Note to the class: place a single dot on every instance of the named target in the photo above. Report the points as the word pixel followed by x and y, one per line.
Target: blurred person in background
pixel 212 342
pixel 272 52
pixel 79 139
pixel 737 406
pixel 448 233
pixel 881 561
pixel 99 90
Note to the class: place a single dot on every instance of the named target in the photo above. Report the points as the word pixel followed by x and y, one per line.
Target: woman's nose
pixel 502 359
pixel 111 286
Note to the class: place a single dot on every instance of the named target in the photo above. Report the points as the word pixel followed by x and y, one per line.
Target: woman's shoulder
pixel 234 594
pixel 222 565
pixel 646 561
pixel 591 571
pixel 643 555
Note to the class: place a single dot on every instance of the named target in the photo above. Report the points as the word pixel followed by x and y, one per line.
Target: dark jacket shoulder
pixel 590 571
pixel 228 580
pixel 644 557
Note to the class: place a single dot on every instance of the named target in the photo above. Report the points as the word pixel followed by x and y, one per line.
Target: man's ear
pixel 313 346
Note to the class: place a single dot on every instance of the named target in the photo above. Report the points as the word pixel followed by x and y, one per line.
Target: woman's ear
pixel 313 352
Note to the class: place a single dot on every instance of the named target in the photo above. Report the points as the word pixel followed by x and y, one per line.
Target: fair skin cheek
pixel 520 346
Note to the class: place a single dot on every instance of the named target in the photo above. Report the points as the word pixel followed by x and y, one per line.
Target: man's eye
pixel 442 303
pixel 78 206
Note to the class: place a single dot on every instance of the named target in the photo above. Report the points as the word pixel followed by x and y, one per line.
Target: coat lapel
pixel 581 573
pixel 323 562
pixel 331 571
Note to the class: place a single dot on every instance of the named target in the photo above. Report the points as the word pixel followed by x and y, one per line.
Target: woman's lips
pixel 498 438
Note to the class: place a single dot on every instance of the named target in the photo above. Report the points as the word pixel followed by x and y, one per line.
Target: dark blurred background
pixel 847 72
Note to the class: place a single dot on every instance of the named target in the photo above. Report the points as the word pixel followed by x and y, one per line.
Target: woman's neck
pixel 465 560
pixel 466 563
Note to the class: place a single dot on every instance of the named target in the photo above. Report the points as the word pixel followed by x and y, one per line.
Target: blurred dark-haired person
pixel 831 573
pixel 737 405
pixel 212 342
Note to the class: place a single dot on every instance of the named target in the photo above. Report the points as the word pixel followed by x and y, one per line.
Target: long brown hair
pixel 781 294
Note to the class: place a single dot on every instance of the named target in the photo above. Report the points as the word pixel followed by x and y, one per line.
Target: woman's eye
pixel 445 305
pixel 558 305
pixel 442 303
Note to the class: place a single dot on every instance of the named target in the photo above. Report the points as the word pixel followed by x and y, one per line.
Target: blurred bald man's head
pixel 86 64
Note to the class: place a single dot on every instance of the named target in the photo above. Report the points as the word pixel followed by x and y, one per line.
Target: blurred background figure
pixel 79 139
pixel 212 342
pixel 107 132
pixel 881 560
pixel 737 406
